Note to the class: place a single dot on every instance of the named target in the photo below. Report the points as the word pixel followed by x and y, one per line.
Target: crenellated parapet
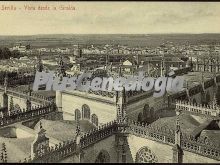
pixel 36 111
pixel 98 134
pixel 23 94
pixel 200 145
pixel 54 153
pixel 153 132
pixel 198 109
pixel 102 93
pixel 69 148
pixel 165 135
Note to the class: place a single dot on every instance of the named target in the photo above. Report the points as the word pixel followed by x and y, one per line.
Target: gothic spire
pixel 6 82
pixel 11 105
pixel 177 123
pixel 29 90
pixel 78 130
pixel 121 105
pixel 202 77
pixel 61 67
pixel 213 104
pixel 178 130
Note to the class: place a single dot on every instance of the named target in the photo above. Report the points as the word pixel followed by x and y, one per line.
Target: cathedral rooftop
pixel 188 125
pixel 63 130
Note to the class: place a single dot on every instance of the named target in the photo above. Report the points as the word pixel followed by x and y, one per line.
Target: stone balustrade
pixel 26 115
pixel 22 94
pixel 160 134
pixel 189 107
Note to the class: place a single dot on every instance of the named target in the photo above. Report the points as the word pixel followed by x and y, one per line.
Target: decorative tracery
pixel 86 111
pixel 145 155
pixel 103 157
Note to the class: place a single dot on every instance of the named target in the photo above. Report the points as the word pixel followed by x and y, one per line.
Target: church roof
pixel 188 125
pixel 17 148
pixel 63 130
pixel 212 135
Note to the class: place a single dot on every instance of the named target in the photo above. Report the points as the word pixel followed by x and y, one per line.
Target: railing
pixel 156 133
pixel 160 134
pixel 98 134
pixel 201 146
pixel 188 107
pixel 60 152
pixel 163 135
pixel 37 111
pixel 22 94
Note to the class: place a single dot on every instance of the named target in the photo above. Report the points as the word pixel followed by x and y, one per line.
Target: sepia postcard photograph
pixel 109 82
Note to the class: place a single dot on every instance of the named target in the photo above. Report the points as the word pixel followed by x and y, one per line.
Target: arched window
pixel 85 111
pixel 77 114
pixel 103 157
pixel 95 119
pixel 145 155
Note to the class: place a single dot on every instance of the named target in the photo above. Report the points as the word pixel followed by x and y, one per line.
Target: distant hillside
pixel 67 40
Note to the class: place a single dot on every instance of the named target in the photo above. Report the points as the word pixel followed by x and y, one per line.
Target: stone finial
pixel 6 82
pixel 41 127
pixel 78 132
pixel 202 77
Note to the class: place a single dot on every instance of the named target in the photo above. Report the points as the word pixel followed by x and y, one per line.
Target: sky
pixel 110 18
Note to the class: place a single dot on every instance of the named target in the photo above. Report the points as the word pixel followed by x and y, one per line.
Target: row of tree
pixel 5 53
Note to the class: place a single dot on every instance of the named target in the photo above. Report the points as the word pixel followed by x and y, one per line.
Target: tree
pixel 5 53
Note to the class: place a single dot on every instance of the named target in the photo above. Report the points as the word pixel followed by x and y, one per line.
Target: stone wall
pixel 163 152
pixel 105 112
pixel 108 144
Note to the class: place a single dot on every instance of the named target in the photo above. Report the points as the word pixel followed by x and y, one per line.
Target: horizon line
pixel 8 35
